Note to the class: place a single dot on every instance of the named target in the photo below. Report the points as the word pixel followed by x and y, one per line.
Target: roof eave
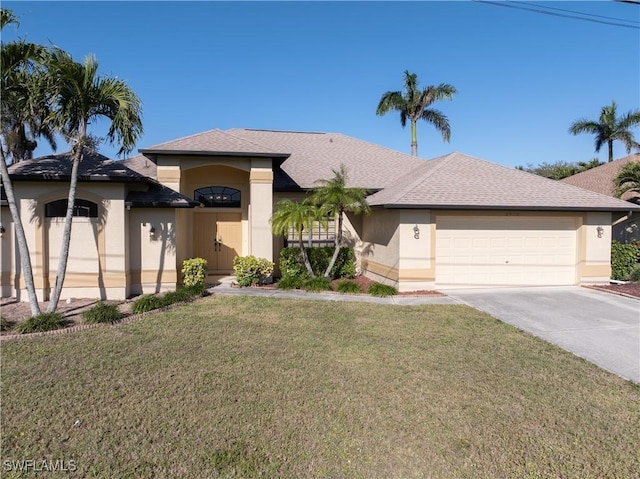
pixel 161 204
pixel 629 208
pixel 152 153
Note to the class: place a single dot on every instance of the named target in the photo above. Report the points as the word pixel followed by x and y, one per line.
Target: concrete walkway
pixel 225 287
pixel 600 327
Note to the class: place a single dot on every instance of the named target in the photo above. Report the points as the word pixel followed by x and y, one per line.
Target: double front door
pixel 217 237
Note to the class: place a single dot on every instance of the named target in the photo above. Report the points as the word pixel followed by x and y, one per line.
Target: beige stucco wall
pixel 380 249
pixel 97 261
pixel 594 252
pixel 153 260
pixel 7 256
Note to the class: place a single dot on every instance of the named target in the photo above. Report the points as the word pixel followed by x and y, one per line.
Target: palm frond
pixel 439 121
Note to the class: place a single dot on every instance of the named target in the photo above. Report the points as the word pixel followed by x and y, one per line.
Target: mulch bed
pixel 629 289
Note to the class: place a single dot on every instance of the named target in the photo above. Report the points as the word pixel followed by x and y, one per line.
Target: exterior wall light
pixel 600 231
pixel 416 232
pixel 152 232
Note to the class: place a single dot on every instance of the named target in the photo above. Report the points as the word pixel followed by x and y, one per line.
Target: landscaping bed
pixel 628 289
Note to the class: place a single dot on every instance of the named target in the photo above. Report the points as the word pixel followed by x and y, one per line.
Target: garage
pixel 506 250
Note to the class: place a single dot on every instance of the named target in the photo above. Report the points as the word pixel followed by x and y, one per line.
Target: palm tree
pixel 413 104
pixel 628 179
pixel 83 96
pixel 334 196
pixel 610 128
pixel 25 104
pixel 296 215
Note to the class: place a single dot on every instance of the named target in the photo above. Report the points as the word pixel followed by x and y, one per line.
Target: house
pixel 455 220
pixel 601 180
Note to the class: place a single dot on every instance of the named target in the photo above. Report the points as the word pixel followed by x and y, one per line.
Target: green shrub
pixel 291 282
pixel 251 270
pixel 624 258
pixel 102 313
pixel 634 276
pixel 42 322
pixel 382 290
pixel 291 264
pixel 348 287
pixel 4 324
pixel 194 271
pixel 148 302
pixel 319 283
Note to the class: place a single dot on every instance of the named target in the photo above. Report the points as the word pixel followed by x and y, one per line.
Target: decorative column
pixel 261 191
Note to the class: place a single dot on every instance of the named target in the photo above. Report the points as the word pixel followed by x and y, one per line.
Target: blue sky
pixel 522 76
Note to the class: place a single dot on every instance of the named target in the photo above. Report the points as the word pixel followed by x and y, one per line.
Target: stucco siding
pixel 380 251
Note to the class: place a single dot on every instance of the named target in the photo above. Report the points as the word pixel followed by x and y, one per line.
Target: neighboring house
pixel 450 221
pixel 601 180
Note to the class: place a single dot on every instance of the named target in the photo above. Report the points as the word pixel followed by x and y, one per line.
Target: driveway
pixel 601 327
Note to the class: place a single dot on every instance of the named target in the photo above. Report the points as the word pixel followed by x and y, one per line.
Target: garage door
pixel 505 251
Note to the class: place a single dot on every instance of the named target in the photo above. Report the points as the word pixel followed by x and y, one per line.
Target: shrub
pixel 635 274
pixel 624 257
pixel 318 283
pixel 251 270
pixel 291 264
pixel 148 302
pixel 194 271
pixel 102 313
pixel 291 282
pixel 348 287
pixel 42 322
pixel 4 324
pixel 382 290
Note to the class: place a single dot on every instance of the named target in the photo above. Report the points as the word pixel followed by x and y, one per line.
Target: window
pixel 318 236
pixel 81 208
pixel 218 197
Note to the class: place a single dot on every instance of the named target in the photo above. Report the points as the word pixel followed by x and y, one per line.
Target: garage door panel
pixel 506 250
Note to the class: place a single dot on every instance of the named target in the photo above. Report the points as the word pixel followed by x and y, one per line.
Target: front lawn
pixel 248 386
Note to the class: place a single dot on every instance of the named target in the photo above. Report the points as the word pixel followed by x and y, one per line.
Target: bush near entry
pixel 251 270
pixel 291 265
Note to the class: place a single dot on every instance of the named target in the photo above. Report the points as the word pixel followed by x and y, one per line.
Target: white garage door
pixel 505 251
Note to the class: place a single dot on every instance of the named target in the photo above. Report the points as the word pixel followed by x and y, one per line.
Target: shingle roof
pixel 210 141
pixel 600 178
pixel 315 155
pixel 142 165
pixel 461 181
pixel 96 167
pixel 93 167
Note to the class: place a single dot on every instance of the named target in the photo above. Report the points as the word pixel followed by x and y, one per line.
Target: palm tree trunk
pixel 414 139
pixel 336 251
pixel 21 239
pixel 610 151
pixel 305 258
pixel 66 233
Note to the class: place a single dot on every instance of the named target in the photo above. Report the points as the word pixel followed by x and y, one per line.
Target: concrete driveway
pixel 601 327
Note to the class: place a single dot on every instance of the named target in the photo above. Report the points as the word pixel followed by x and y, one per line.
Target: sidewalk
pixel 225 288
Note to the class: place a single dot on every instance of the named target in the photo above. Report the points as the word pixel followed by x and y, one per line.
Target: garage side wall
pixel 380 251
pixel 594 250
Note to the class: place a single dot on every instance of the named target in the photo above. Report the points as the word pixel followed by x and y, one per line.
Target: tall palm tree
pixel 296 215
pixel 25 104
pixel 610 128
pixel 413 104
pixel 83 96
pixel 628 179
pixel 334 196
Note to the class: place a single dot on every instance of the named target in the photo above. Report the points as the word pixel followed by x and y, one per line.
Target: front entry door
pixel 217 237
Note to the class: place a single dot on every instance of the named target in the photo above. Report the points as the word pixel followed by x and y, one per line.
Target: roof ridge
pixel 417 179
pixel 267 149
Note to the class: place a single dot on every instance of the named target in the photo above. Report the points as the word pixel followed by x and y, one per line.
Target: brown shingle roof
pixel 600 178
pixel 142 165
pixel 461 181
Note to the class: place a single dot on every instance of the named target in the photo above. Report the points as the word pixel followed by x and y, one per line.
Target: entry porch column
pixel 261 209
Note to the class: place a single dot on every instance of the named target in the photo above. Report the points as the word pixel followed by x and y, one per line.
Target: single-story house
pixel 601 180
pixel 455 220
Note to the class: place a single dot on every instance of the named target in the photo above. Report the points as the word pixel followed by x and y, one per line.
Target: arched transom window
pixel 218 197
pixel 81 208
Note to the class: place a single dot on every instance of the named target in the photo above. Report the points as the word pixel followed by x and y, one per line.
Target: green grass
pixel 262 387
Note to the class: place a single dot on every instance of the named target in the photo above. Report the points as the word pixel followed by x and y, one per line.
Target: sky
pixel 522 76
